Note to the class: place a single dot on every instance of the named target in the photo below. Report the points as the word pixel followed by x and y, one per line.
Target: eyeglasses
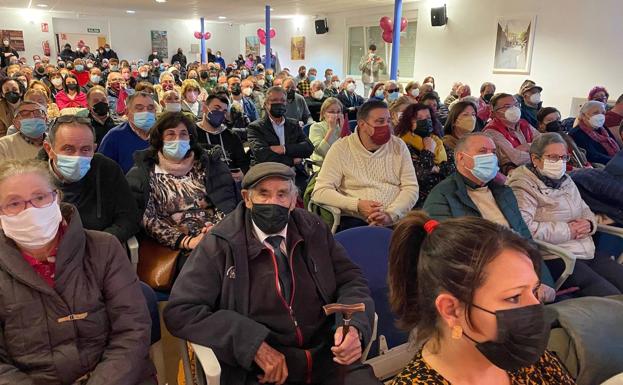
pixel 40 201
pixel 24 114
pixel 393 90
pixel 504 107
pixel 68 119
pixel 556 158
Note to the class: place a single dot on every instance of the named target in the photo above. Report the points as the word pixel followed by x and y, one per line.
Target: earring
pixel 457 332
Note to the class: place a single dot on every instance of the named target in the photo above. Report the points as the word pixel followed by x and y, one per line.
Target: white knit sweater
pixel 350 172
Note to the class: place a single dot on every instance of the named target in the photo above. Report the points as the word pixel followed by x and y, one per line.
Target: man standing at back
pixel 370 66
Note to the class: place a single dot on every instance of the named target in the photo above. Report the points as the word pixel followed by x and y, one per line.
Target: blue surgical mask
pixel 312 78
pixel 114 68
pixel 73 168
pixel 379 94
pixel 33 127
pixel 144 120
pixel 485 167
pixel 79 68
pixel 176 149
pixel 393 96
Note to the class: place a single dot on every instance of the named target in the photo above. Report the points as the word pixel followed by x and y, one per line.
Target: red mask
pixel 381 135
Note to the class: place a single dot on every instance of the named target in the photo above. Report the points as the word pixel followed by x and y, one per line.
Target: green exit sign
pixel 93 30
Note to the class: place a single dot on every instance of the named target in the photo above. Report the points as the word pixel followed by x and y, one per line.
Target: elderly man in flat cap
pixel 254 288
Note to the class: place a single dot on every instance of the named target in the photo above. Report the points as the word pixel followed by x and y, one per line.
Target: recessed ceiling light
pixel 42 5
pixel 222 17
pixel 130 11
pixel 161 1
pixel 272 9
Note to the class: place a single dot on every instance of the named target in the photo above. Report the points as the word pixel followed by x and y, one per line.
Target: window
pixel 360 38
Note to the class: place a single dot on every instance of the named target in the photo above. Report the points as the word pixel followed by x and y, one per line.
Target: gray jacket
pixel 370 69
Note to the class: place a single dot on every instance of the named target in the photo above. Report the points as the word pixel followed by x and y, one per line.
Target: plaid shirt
pixel 304 87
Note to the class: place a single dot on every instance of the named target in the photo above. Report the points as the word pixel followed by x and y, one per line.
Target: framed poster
pixel 297 48
pixel 16 39
pixel 513 46
pixel 160 43
pixel 251 46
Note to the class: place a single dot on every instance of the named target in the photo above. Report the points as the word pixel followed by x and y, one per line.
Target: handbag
pixel 156 264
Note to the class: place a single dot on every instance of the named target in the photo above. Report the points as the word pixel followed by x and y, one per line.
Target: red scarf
pixel 524 127
pixel 600 135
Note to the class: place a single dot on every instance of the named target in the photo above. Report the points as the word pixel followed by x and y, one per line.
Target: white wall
pixel 29 22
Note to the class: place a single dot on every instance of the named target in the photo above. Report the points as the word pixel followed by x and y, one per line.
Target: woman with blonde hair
pixel 53 111
pixel 190 98
pixel 328 130
pixel 397 107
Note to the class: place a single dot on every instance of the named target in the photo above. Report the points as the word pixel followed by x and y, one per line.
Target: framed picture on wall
pixel 160 43
pixel 297 48
pixel 16 39
pixel 251 46
pixel 513 45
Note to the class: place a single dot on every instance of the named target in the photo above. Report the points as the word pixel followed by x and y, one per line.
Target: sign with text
pixel 93 30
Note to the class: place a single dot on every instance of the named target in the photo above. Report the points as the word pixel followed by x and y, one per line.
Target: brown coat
pixel 93 277
pixel 6 117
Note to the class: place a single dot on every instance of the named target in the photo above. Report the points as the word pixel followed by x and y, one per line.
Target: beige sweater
pixel 350 172
pixel 14 146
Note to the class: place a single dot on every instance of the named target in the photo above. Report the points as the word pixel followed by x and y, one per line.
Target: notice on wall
pixel 160 43
pixel 297 48
pixel 16 39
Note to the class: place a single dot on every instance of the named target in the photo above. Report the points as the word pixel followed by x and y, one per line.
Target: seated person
pixel 114 88
pixel 428 153
pixel 166 83
pixel 554 211
pixel 397 108
pixel 277 138
pixel 349 98
pixel 431 100
pixel 91 182
pixel 171 102
pixel 71 95
pixel 182 190
pixel 269 332
pixel 511 134
pixel 599 93
pixel 469 191
pixel 31 124
pixel 327 131
pixel 369 175
pixel 614 118
pixel 120 143
pixel 412 90
pixel 296 107
pixel 454 284
pixel 392 91
pixel 487 90
pixel 315 99
pixel 190 98
pixel 39 97
pixel 38 85
pixel 530 101
pixel 99 112
pixel 461 121
pixel 592 136
pixel 549 121
pixel 212 132
pixel 65 289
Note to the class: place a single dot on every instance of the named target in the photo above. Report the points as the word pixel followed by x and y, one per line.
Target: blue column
pixel 396 40
pixel 268 57
pixel 204 58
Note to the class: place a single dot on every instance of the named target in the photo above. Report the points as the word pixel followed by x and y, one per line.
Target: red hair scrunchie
pixel 430 226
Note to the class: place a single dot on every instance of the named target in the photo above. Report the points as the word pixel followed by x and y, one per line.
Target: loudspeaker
pixel 438 16
pixel 321 27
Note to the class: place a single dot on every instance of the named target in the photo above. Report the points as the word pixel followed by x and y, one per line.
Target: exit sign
pixel 93 30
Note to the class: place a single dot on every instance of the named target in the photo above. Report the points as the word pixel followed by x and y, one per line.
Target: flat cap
pixel 265 170
pixel 528 85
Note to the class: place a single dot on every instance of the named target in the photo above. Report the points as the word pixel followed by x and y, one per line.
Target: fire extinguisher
pixel 46 48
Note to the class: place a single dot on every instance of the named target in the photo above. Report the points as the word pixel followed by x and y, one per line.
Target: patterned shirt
pixel 547 371
pixel 304 87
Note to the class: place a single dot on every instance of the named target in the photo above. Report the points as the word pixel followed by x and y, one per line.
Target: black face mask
pixel 487 98
pixel 270 218
pixel 278 110
pixel 522 337
pixel 424 128
pixel 290 94
pixel 72 87
pixel 41 70
pixel 236 90
pixel 12 97
pixel 204 74
pixel 554 126
pixel 216 118
pixel 101 108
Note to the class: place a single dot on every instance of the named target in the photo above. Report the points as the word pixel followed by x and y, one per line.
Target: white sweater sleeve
pixel 409 188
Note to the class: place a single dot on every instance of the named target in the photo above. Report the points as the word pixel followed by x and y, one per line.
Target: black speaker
pixel 438 16
pixel 321 27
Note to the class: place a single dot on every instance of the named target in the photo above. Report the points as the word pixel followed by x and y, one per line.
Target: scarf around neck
pixel 181 168
pixel 600 135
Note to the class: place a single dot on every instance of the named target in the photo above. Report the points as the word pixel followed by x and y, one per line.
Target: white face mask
pixel 351 87
pixel 535 98
pixel 512 114
pixel 597 121
pixel 415 92
pixel 247 91
pixel 261 82
pixel 554 170
pixel 34 227
pixel 336 84
pixel 57 82
pixel 318 94
pixel 173 107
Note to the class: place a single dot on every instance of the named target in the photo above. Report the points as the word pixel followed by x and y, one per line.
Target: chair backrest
pixel 352 124
pixel 306 129
pixel 368 247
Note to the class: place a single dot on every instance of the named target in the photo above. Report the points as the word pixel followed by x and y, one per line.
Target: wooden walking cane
pixel 347 312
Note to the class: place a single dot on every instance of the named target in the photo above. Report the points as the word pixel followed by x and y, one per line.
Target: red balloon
pixel 207 35
pixel 198 35
pixel 262 40
pixel 386 24
pixel 272 33
pixel 403 24
pixel 388 36
pixel 261 34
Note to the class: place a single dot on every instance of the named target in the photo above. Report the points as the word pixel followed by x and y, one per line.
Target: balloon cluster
pixel 206 35
pixel 262 35
pixel 387 26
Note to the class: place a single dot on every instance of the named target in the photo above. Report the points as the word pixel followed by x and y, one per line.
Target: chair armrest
pixel 209 364
pixel 567 257
pixel 392 362
pixel 337 214
pixel 133 247
pixel 365 353
pixel 612 230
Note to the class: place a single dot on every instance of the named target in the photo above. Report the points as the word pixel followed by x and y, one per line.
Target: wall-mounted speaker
pixel 321 27
pixel 438 16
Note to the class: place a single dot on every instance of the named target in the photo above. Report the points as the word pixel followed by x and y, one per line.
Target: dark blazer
pixel 262 135
pixel 349 101
pixel 595 152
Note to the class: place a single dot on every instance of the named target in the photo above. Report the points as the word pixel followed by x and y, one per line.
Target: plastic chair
pixel 207 367
pixel 369 248
pixel 352 124
pixel 336 213
pixel 132 244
